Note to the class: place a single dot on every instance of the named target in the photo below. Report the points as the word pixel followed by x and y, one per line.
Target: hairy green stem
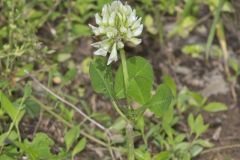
pixel 118 110
pixel 130 139
pixel 125 71
pixel 10 33
pixel 129 125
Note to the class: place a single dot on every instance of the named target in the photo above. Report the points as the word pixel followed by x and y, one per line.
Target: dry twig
pixel 69 104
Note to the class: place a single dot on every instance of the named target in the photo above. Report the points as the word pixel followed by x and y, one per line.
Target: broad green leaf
pixel 182 146
pixel 139 89
pixel 196 150
pixel 27 90
pixel 26 148
pixel 102 117
pixel 180 138
pixel 186 156
pixel 14 113
pixel 118 125
pixel 85 65
pixel 191 122
pixel 32 108
pixel 71 136
pixel 195 99
pixel 79 147
pixel 168 80
pixel 140 80
pixel 203 143
pixel 4 31
pixel 215 107
pixel 22 71
pixel 168 117
pixel 39 148
pixel 5 157
pixel 199 125
pixel 84 7
pixel 41 145
pixel 70 75
pixel 149 23
pixel 167 120
pixel 161 101
pixel 102 2
pixel 62 57
pixel 12 136
pixel 142 155
pixel 140 123
pixel 8 106
pixel 194 50
pixel 101 77
pixel 228 7
pixel 79 30
pixel 184 27
pixel 233 63
pixel 165 155
pixel 147 2
pixel 34 14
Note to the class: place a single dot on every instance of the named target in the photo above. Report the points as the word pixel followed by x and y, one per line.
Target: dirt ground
pixel 210 80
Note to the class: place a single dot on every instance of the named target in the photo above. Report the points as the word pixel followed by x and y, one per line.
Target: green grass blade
pixel 213 28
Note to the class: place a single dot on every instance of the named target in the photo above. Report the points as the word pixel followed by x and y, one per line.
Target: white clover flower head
pixel 117 24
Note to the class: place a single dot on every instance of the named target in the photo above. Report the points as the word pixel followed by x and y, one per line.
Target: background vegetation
pixel 48 109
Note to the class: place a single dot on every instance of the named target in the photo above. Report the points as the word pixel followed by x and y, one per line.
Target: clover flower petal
pixel 98 19
pixel 113 56
pixel 138 31
pixel 101 52
pixel 135 41
pixel 117 24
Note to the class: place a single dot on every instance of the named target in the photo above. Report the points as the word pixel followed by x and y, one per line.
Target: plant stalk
pixel 129 125
pixel 130 139
pixel 125 71
pixel 213 28
pixel 118 110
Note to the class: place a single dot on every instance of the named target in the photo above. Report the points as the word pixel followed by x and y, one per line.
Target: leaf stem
pixel 118 110
pixel 129 125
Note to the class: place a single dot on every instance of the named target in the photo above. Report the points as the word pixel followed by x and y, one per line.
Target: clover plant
pixel 117 26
